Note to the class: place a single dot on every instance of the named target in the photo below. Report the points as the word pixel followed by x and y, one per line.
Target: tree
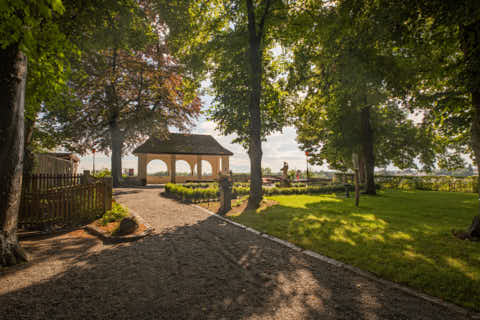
pixel 442 38
pixel 24 27
pixel 124 88
pixel 266 171
pixel 332 134
pixel 338 67
pixel 229 41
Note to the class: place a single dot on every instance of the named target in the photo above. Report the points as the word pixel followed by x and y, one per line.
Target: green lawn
pixel 402 236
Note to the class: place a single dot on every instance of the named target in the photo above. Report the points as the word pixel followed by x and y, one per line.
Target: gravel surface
pixel 194 266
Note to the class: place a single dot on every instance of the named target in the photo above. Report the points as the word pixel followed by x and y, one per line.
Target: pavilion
pixel 192 148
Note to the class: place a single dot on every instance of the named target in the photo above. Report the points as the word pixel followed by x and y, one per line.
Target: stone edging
pixel 118 239
pixel 336 263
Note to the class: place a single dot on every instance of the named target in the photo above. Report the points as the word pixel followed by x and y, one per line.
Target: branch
pixel 264 18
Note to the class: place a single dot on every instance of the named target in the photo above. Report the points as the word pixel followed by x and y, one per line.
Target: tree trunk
pixel 361 169
pixel 474 229
pixel 13 71
pixel 367 151
pixel 470 46
pixel 255 74
pixel 117 145
pixel 28 156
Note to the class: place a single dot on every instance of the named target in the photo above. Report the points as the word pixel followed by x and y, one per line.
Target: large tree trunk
pixel 367 151
pixel 474 229
pixel 13 73
pixel 471 49
pixel 255 73
pixel 117 145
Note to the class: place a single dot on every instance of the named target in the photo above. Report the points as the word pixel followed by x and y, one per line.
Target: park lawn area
pixel 401 236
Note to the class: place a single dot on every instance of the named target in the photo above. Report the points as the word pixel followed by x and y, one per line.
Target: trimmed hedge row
pixel 429 183
pixel 187 194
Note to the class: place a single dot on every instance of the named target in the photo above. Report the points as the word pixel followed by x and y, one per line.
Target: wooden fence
pixel 63 200
pixel 45 181
pixel 49 164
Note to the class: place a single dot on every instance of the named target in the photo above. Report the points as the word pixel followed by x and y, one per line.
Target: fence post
pixel 107 196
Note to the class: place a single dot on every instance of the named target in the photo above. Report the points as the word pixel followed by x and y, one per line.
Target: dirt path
pixel 194 267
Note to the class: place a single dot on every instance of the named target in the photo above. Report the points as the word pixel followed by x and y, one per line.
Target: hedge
pixel 187 194
pixel 429 183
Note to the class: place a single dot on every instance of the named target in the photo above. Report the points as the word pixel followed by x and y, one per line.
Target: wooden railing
pixel 38 182
pixel 63 200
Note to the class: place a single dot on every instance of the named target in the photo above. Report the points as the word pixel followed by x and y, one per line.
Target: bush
pixel 185 194
pixel 407 185
pixel 429 183
pixel 102 174
pixel 117 213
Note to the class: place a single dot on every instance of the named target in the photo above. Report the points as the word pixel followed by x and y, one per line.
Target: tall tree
pixel 25 26
pixel 442 38
pixel 229 42
pixel 124 87
pixel 336 63
pixel 331 134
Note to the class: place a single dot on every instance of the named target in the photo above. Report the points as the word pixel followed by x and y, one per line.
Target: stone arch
pixel 158 167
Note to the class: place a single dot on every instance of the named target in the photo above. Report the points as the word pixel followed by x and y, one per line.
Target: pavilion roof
pixel 180 143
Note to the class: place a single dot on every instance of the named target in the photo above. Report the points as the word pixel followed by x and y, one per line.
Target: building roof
pixel 180 143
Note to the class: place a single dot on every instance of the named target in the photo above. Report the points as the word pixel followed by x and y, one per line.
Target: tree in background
pixel 442 39
pixel 124 88
pixel 332 134
pixel 230 43
pixel 356 92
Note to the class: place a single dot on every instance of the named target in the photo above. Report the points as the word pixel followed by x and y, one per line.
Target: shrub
pixel 117 213
pixel 407 184
pixel 429 183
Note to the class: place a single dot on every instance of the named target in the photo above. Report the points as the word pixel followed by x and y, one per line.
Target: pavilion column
pixel 199 167
pixel 216 167
pixel 225 164
pixel 173 171
pixel 142 167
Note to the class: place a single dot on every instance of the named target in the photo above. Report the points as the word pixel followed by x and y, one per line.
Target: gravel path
pixel 194 267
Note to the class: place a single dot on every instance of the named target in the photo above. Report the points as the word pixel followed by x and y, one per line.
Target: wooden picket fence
pixel 61 200
pixel 46 181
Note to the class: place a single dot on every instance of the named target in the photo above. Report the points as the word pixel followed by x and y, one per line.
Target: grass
pixel 401 236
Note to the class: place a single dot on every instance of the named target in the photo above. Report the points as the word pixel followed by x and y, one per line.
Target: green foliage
pixel 196 195
pixel 102 173
pixel 400 236
pixel 343 71
pixel 429 183
pixel 212 39
pixel 123 86
pixel 189 194
pixel 117 213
